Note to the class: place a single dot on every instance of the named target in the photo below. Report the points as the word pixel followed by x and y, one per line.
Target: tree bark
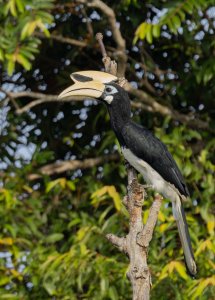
pixel 136 242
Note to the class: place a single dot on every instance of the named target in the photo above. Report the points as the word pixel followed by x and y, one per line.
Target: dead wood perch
pixel 136 243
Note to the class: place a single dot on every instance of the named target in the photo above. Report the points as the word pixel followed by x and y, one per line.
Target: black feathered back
pixel 149 148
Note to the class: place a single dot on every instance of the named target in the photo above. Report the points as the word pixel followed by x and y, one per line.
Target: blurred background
pixel 61 173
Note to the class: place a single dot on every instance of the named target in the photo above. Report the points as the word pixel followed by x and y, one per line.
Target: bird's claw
pixel 148 186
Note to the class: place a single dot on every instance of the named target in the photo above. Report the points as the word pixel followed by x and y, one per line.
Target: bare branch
pixel 42 98
pixel 30 94
pixel 110 65
pixel 136 242
pixel 62 39
pixel 10 97
pixel 53 98
pixel 146 98
pixel 144 238
pixel 71 165
pixel 45 100
pixel 66 40
pixel 88 23
pixel 34 103
pixel 138 272
pixel 99 38
pixel 118 242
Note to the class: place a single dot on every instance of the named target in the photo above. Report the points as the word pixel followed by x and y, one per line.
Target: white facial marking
pixel 108 99
pixel 109 92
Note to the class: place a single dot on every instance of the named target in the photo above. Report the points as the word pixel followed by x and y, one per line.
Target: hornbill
pixel 146 153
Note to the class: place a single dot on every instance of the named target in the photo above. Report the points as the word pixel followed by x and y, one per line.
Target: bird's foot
pixel 148 186
pixel 145 187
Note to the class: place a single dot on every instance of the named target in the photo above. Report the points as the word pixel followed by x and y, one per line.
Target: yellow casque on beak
pixel 84 76
pixel 92 89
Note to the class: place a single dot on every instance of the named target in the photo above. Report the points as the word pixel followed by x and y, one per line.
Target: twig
pixel 71 165
pixel 99 38
pixel 146 98
pixel 88 23
pixel 42 98
pixel 10 97
pixel 62 39
pixel 136 242
pixel 110 65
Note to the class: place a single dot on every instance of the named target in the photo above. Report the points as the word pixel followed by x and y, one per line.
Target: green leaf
pixel 141 31
pixel 115 196
pixel 6 241
pixel 24 32
pixel 4 280
pixel 204 282
pixel 1 54
pixel 26 53
pixel 188 7
pixel 60 181
pixel 172 26
pixel 71 185
pixel 149 33
pixel 112 293
pixel 176 20
pixel 20 5
pixel 43 28
pixel 9 297
pixel 156 30
pixel 12 5
pixel 181 14
pixel 23 61
pixel 53 238
pixel 100 192
pixel 50 287
pixel 181 270
pixel 10 67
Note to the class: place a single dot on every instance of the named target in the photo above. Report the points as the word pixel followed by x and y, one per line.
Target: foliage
pixel 52 229
pixel 173 16
pixel 19 20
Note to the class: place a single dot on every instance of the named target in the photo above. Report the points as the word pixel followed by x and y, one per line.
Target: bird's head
pixel 97 85
pixel 102 86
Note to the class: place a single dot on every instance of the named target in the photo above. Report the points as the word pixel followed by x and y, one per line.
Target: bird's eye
pixel 108 89
pixel 109 93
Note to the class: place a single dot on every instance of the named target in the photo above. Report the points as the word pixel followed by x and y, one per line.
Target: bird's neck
pixel 118 120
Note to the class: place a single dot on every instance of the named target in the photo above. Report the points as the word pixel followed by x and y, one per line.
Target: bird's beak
pixel 92 89
pixel 84 76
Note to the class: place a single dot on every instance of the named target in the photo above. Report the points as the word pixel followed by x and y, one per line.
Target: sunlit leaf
pixel 115 196
pixel 6 241
pixel 55 237
pixel 203 283
pixel 23 61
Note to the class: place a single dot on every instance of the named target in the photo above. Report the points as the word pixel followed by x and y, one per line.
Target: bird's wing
pixel 149 148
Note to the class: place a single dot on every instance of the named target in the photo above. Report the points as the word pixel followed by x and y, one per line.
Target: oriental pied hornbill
pixel 147 154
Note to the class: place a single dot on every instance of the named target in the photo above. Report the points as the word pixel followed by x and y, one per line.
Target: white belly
pixel 151 176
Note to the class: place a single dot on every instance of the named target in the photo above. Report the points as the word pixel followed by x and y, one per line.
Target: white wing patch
pixel 108 99
pixel 151 176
